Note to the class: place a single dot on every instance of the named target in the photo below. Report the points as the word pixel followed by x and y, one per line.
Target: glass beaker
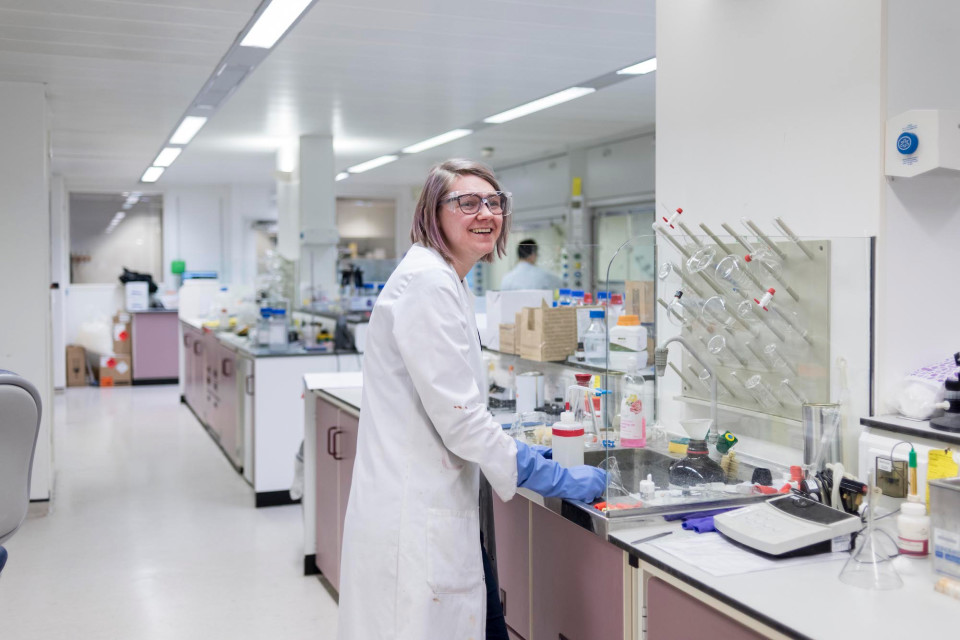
pixel 701 260
pixel 532 427
pixel 677 312
pixel 714 313
pixel 729 274
pixel 822 442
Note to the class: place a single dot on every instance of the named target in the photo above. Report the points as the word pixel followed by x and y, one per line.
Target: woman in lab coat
pixel 411 566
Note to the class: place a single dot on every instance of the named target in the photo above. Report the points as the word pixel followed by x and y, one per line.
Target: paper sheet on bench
pixel 710 552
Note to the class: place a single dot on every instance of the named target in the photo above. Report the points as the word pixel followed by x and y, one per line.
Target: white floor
pixel 153 535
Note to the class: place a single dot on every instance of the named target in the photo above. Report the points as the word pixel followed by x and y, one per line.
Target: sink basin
pixel 635 464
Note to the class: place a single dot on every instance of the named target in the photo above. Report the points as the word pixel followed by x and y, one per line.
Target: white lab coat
pixel 529 276
pixel 411 567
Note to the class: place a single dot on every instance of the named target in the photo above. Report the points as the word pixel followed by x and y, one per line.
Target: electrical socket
pixel 892 477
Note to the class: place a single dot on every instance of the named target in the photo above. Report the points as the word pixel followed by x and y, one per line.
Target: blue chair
pixel 20 409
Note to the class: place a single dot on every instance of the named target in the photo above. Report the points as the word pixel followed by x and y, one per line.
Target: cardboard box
pixel 548 334
pixel 640 299
pixel 114 371
pixel 76 366
pixel 122 334
pixel 508 338
pixel 502 307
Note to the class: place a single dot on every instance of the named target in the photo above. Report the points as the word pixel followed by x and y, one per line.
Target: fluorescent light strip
pixel 273 23
pixel 187 129
pixel 639 69
pixel 436 141
pixel 166 157
pixel 538 105
pixel 152 174
pixel 343 175
pixel 372 164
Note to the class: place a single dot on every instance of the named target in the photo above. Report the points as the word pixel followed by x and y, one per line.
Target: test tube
pixel 761 392
pixel 704 377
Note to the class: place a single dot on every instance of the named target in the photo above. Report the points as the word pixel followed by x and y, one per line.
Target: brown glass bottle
pixel 696 468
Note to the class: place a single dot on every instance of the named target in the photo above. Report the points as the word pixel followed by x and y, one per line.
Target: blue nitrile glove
pixel 551 480
pixel 544 451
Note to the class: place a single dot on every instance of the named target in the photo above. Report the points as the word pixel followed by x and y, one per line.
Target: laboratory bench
pixel 563 576
pixel 248 398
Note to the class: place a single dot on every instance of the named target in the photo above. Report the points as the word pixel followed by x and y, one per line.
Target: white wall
pixel 769 109
pixel 25 326
pixel 917 301
pixel 209 228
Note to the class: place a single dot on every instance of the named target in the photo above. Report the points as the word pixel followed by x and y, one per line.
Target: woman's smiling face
pixel 469 237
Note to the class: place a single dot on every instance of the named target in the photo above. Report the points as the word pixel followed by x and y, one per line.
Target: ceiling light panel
pixel 274 22
pixel 152 174
pixel 539 105
pixel 641 68
pixel 188 128
pixel 372 164
pixel 166 157
pixel 436 141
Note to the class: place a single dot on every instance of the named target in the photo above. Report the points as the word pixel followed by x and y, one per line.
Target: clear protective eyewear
pixel 498 202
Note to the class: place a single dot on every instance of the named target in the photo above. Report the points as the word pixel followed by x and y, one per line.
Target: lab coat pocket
pixel 454 564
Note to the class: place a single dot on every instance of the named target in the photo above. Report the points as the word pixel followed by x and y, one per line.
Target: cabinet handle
pixel 336 453
pixel 560 636
pixel 330 441
pixel 503 601
pixel 247 385
pixel 227 371
pixel 186 341
pixel 197 348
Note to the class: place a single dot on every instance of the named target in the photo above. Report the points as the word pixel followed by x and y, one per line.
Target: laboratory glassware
pixel 696 467
pixel 761 392
pixel 821 436
pixel 870 566
pixel 595 339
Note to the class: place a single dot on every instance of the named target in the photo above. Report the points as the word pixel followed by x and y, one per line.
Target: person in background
pixel 527 275
pixel 413 566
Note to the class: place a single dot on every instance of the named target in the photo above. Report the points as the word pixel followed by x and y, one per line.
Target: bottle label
pixel 910 547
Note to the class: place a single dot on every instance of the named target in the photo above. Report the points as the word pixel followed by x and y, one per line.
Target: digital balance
pixel 786 524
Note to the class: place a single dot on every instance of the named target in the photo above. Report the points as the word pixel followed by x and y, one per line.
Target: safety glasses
pixel 498 202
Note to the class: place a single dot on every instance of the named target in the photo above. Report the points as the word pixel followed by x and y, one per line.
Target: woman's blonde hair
pixel 426 217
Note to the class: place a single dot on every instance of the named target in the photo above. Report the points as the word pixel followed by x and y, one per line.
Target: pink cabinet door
pixel 189 339
pixel 512 525
pixel 327 494
pixel 345 448
pixel 227 416
pixel 577 582
pixel 675 615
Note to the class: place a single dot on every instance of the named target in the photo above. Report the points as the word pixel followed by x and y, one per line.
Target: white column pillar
pixel 59 275
pixel 288 201
pixel 25 330
pixel 318 215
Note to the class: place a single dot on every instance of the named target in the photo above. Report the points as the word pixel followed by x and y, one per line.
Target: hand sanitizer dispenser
pixel 921 141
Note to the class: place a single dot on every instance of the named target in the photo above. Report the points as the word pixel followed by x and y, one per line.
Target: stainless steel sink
pixel 634 465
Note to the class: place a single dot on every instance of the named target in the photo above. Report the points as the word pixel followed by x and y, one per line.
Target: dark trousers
pixel 496 623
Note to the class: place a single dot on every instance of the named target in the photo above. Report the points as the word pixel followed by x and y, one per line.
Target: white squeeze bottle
pixel 568 441
pixel 633 424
